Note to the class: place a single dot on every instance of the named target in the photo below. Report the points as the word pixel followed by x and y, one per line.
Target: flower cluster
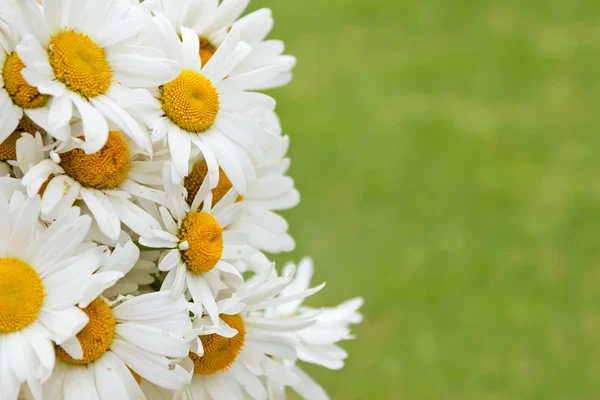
pixel 141 171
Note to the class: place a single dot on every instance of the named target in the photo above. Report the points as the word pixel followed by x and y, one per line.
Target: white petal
pixel 201 293
pixel 95 128
pixel 191 46
pixel 103 212
pixel 180 147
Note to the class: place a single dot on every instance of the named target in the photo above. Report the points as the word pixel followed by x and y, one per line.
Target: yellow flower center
pixel 96 337
pixel 8 148
pixel 220 352
pixel 21 294
pixel 21 93
pixel 194 180
pixel 190 101
pixel 204 236
pixel 207 50
pixel 105 169
pixel 79 63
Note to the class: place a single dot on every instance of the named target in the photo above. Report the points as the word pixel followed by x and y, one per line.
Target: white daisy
pixel 78 54
pixel 17 97
pixel 200 250
pixel 272 191
pixel 230 358
pixel 44 273
pixel 105 181
pixel 125 340
pixel 212 21
pixel 316 344
pixel 203 108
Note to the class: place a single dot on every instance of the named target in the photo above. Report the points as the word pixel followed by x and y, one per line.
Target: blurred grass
pixel 447 155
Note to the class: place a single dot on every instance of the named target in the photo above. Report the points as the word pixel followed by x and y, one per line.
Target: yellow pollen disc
pixel 207 50
pixel 21 93
pixel 220 352
pixel 205 242
pixel 190 101
pixel 105 169
pixel 21 294
pixel 79 63
pixel 8 148
pixel 194 180
pixel 96 337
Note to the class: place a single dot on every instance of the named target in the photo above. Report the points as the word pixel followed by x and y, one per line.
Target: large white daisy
pixel 318 343
pixel 124 341
pixel 211 20
pixel 44 273
pixel 231 358
pixel 201 252
pixel 204 108
pixel 78 54
pixel 106 181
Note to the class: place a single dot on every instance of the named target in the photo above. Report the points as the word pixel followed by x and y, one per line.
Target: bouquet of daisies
pixel 141 169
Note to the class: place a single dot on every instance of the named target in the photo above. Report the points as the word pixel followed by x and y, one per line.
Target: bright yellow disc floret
pixel 190 101
pixel 79 63
pixel 96 337
pixel 105 169
pixel 220 352
pixel 204 236
pixel 194 180
pixel 21 93
pixel 21 294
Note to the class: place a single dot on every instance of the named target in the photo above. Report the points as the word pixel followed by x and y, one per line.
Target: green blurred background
pixel 447 156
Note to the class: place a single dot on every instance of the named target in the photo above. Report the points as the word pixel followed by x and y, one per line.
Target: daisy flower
pixel 200 250
pixel 231 357
pixel 105 181
pixel 125 340
pixel 212 20
pixel 17 97
pixel 44 273
pixel 201 107
pixel 316 344
pixel 77 55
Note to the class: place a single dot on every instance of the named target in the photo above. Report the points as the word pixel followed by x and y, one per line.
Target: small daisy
pixel 230 358
pixel 212 21
pixel 125 340
pixel 202 251
pixel 17 97
pixel 105 181
pixel 316 344
pixel 78 54
pixel 44 273
pixel 203 108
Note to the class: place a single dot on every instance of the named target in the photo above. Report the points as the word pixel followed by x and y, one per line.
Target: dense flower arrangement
pixel 141 170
